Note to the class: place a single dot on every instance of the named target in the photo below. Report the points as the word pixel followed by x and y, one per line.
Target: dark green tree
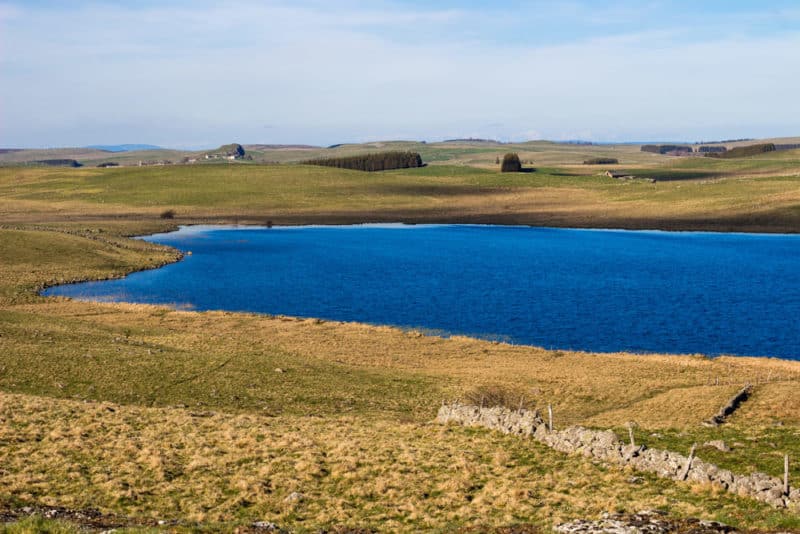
pixel 511 163
pixel 382 161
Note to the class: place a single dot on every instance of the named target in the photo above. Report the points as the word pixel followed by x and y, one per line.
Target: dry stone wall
pixel 604 445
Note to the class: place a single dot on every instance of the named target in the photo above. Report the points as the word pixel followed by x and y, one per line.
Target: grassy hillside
pixel 750 194
pixel 157 413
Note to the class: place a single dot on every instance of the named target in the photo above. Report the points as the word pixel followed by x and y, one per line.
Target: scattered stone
pixel 648 522
pixel 295 497
pixel 88 519
pixel 717 444
pixel 267 526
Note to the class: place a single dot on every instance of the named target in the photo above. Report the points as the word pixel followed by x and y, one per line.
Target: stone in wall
pixel 606 446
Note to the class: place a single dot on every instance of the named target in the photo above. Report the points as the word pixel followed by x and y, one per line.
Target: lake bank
pixel 601 291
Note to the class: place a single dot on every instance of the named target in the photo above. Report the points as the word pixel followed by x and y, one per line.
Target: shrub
pixel 382 161
pixel 601 161
pixel 168 214
pixel 511 163
pixel 497 395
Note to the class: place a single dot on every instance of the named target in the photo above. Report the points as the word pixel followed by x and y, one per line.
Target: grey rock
pixel 266 526
pixel 718 444
pixel 295 496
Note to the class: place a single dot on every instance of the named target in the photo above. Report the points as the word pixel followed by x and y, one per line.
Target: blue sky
pixel 199 73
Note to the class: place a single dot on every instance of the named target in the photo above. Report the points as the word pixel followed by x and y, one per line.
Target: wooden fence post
pixel 786 474
pixel 550 416
pixel 630 433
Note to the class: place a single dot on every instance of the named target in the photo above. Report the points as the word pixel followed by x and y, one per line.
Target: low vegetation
pixel 383 161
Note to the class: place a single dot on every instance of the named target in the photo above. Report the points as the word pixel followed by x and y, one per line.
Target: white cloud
pixel 193 75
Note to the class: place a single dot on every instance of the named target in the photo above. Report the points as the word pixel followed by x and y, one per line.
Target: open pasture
pixel 219 418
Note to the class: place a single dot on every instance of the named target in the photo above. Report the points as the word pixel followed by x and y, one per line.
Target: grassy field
pixel 753 194
pixel 219 419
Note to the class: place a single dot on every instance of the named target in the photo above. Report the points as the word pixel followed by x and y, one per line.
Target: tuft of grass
pixel 490 395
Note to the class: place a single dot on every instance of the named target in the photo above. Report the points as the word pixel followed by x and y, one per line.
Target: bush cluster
pixel 382 161
pixel 511 163
pixel 491 395
pixel 601 161
pixel 744 151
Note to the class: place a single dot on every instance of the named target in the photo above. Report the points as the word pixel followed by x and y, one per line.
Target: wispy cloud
pixel 205 73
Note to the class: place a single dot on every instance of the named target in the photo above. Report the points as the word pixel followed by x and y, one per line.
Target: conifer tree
pixel 511 163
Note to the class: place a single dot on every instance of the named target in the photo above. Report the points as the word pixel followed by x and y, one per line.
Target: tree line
pixel 744 151
pixel 382 161
pixel 664 149
pixel 601 161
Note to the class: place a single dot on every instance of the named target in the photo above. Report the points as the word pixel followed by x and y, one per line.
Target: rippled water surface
pixel 558 288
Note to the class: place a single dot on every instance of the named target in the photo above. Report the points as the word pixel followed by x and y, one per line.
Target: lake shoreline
pixel 603 337
pixel 758 224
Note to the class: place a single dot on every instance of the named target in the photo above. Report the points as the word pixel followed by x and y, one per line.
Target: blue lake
pixel 591 290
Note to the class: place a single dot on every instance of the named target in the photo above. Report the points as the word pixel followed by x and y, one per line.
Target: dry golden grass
pixel 656 390
pixel 173 463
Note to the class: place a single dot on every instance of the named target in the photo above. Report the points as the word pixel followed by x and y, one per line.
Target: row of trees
pixel 382 161
pixel 57 163
pixel 664 149
pixel 601 161
pixel 744 151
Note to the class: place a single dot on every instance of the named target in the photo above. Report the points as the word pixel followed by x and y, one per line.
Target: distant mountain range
pixel 124 148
